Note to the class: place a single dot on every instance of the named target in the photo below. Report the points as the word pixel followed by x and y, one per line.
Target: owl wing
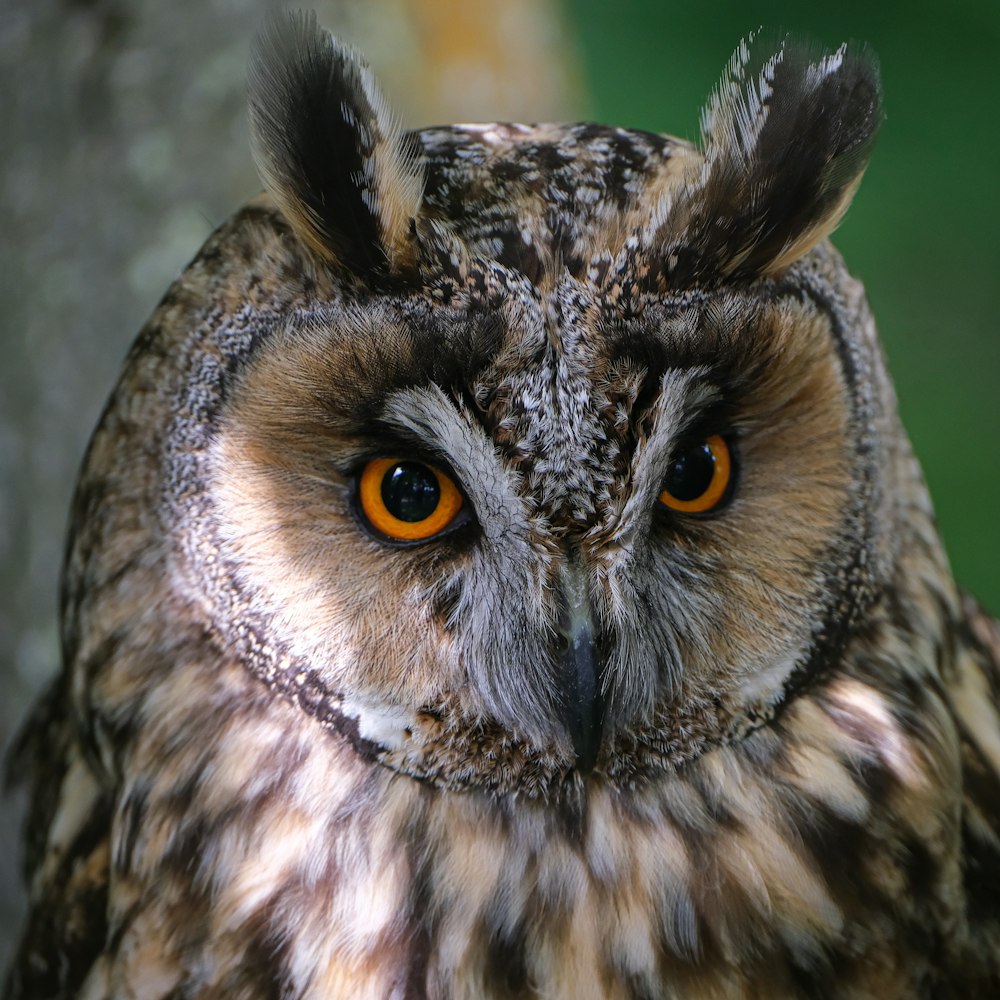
pixel 985 630
pixel 66 860
pixel 975 695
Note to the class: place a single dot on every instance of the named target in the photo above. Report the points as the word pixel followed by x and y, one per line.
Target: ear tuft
pixel 328 148
pixel 786 140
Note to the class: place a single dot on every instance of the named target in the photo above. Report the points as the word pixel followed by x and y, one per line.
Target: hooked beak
pixel 583 700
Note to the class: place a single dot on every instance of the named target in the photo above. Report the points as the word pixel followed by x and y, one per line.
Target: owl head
pixel 528 456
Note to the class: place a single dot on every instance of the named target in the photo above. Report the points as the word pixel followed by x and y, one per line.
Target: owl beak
pixel 583 699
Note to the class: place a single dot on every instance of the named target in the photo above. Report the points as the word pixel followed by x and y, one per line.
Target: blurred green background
pixel 922 233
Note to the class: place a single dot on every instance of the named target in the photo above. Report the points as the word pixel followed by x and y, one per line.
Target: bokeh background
pixel 123 144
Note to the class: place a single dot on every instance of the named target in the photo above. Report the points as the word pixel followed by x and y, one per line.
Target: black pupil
pixel 691 474
pixel 410 491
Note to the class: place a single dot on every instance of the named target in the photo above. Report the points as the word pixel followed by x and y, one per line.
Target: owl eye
pixel 407 500
pixel 699 477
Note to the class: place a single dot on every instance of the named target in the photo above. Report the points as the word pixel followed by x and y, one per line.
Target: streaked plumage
pixel 577 744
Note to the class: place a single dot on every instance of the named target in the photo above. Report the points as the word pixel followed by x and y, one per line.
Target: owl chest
pixel 430 894
pixel 299 863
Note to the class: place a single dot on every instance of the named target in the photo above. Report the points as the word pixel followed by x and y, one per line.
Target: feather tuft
pixel 786 137
pixel 329 149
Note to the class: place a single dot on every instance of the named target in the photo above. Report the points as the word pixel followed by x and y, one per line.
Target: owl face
pixel 549 462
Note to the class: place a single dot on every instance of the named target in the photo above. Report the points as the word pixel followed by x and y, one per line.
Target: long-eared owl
pixel 500 572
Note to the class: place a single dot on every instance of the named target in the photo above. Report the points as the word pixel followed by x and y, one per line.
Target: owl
pixel 500 573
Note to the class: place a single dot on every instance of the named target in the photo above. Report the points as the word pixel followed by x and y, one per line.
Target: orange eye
pixel 699 477
pixel 405 500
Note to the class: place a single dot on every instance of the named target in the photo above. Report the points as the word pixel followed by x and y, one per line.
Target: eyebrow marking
pixel 428 414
